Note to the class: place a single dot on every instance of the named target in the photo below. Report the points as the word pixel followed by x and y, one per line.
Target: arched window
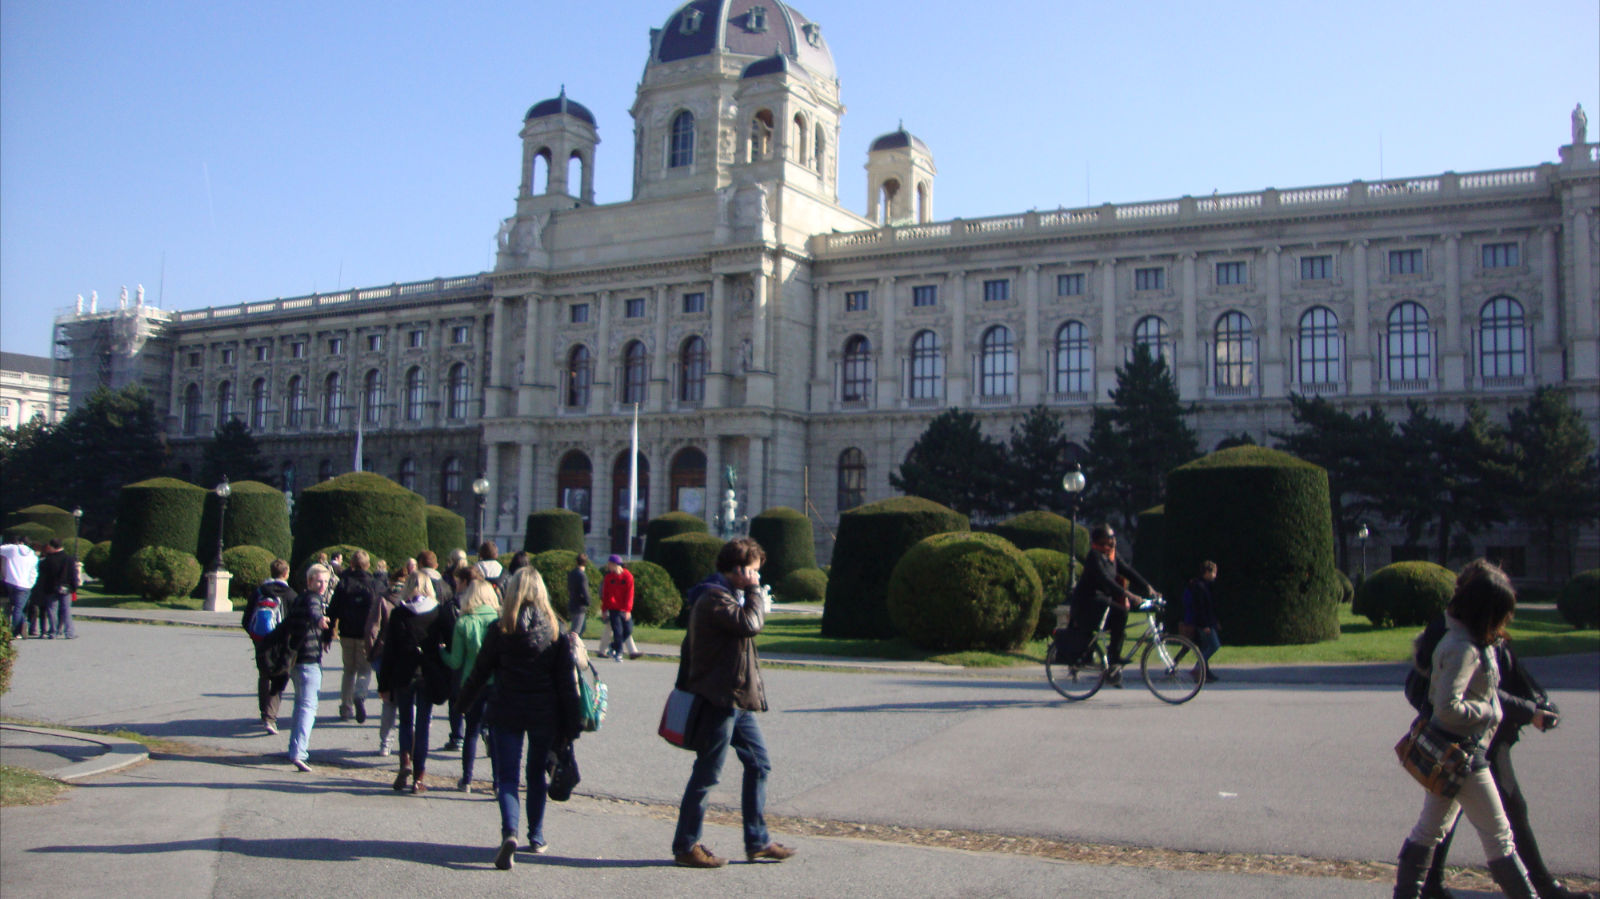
pixel 372 397
pixel 680 150
pixel 1074 360
pixel 539 177
pixel 621 508
pixel 258 405
pixel 635 368
pixel 333 399
pixel 574 480
pixel 325 470
pixel 191 409
pixel 224 402
pixel 579 373
pixel 688 477
pixel 408 473
pixel 857 375
pixel 297 401
pixel 1502 339
pixel 852 479
pixel 1410 343
pixel 927 367
pixel 1235 352
pixel 1151 333
pixel 460 391
pixel 450 483
pixel 761 136
pixel 998 363
pixel 886 194
pixel 800 139
pixel 1321 350
pixel 692 371
pixel 575 174
pixel 819 150
pixel 924 210
pixel 416 393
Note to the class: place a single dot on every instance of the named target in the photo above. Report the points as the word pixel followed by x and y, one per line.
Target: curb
pixel 119 753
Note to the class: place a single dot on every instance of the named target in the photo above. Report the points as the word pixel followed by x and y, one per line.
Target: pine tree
pixel 232 451
pixel 954 464
pixel 1553 467
pixel 1356 450
pixel 1038 454
pixel 1136 441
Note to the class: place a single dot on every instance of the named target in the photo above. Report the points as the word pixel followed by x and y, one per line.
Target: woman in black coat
pixel 413 674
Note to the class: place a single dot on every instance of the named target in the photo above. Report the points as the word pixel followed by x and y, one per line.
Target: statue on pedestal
pixel 1580 126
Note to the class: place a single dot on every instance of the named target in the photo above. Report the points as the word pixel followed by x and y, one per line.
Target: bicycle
pixel 1172 665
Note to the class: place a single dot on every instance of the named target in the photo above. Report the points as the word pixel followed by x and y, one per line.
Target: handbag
pixel 678 718
pixel 1434 759
pixel 592 697
pixel 562 767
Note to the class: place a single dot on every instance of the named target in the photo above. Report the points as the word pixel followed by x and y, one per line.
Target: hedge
pixel 1149 555
pixel 249 565
pixel 78 546
pixel 669 525
pixel 365 509
pixel 1262 516
pixel 788 539
pixel 1406 593
pixel 155 512
pixel 157 572
pixel 965 590
pixel 1057 573
pixel 35 533
pixel 655 599
pixel 8 653
pixel 1579 600
pixel 1045 530
pixel 97 560
pixel 688 558
pixel 57 519
pixel 804 585
pixel 447 531
pixel 871 540
pixel 258 515
pixel 554 529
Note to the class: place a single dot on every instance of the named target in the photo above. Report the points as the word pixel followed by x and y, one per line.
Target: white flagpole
pixel 357 464
pixel 633 482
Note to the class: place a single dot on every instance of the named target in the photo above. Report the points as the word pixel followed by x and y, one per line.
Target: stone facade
pixel 31 387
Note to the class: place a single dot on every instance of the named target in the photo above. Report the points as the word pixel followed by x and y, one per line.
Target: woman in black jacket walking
pixel 535 697
pixel 413 674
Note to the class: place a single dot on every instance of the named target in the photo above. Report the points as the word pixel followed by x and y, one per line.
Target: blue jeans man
pixel 718 729
pixel 19 606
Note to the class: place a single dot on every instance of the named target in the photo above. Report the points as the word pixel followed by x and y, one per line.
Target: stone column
pixel 1272 375
pixel 604 381
pixel 756 500
pixel 958 374
pixel 1191 368
pixel 716 367
pixel 887 351
pixel 663 356
pixel 1452 349
pixel 1549 336
pixel 1029 380
pixel 496 404
pixel 525 484
pixel 1106 354
pixel 1361 361
pixel 532 365
pixel 714 484
pixel 759 388
pixel 217 591
pixel 821 373
pixel 1583 361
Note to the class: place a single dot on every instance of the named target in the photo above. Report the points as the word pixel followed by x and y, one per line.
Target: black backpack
pixel 1417 682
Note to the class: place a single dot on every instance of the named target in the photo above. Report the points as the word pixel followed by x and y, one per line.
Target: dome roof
pixel 560 106
pixel 898 138
pixel 775 63
pixel 754 28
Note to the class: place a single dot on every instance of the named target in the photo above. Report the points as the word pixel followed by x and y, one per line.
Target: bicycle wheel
pixel 1076 682
pixel 1173 669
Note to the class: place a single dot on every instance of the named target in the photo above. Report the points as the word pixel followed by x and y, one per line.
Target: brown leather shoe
pixel 776 852
pixel 698 857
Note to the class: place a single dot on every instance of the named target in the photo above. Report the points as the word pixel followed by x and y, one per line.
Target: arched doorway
pixel 619 505
pixel 575 485
pixel 689 482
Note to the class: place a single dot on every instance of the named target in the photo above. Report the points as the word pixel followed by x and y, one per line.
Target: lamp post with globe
pixel 1073 482
pixel 223 491
pixel 1362 534
pixel 480 487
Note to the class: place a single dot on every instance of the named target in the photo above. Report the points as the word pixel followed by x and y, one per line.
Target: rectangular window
pixel 460 334
pixel 336 346
pixel 925 295
pixel 855 301
pixel 374 343
pixel 1501 255
pixel 297 350
pixel 694 303
pixel 416 338
pixel 1232 273
pixel 579 313
pixel 261 353
pixel 633 308
pixel 997 290
pixel 194 360
pixel 1316 268
pixel 1069 285
pixel 1149 279
pixel 227 357
pixel 1405 262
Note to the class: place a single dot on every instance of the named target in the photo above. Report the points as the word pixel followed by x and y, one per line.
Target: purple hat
pixel 615 559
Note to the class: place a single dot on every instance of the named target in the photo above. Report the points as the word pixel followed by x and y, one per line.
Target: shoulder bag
pixel 678 718
pixel 1434 758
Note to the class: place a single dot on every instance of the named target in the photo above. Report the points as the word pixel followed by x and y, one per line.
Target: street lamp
pixel 223 491
pixel 1362 533
pixel 1073 482
pixel 77 526
pixel 481 488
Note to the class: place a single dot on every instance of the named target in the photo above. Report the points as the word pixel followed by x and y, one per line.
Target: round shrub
pixel 669 525
pixel 97 559
pixel 1406 593
pixel 447 531
pixel 1045 530
pixel 249 565
pixel 965 590
pixel 1579 600
pixel 1149 554
pixel 156 512
pixel 787 537
pixel 1262 516
pixel 655 599
pixel 57 519
pixel 36 534
pixel 688 558
pixel 157 572
pixel 78 546
pixel 1347 590
pixel 802 585
pixel 364 509
pixel 1057 572
pixel 871 540
pixel 553 565
pixel 258 515
pixel 552 529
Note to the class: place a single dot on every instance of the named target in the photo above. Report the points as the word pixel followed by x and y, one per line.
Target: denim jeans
pixel 307 682
pixel 357 677
pixel 416 718
pixel 579 616
pixel 62 615
pixel 718 729
pixel 1209 642
pixel 19 606
pixel 621 629
pixel 507 748
pixel 473 723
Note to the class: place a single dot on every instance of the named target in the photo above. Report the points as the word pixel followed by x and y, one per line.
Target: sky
pixel 220 153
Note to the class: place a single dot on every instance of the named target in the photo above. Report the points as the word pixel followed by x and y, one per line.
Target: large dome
pixel 753 28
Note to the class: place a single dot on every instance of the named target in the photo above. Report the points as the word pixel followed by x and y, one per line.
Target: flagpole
pixel 356 466
pixel 633 481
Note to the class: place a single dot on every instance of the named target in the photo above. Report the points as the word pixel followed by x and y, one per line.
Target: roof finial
pixel 563 98
pixel 902 124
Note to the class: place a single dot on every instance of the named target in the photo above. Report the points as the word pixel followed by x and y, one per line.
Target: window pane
pixel 999 363
pixel 1320 361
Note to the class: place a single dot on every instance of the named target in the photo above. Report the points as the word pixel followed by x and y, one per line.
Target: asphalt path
pixel 1287 760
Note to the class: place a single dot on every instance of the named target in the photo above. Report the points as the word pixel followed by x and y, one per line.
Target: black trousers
pixel 1117 627
pixel 1516 806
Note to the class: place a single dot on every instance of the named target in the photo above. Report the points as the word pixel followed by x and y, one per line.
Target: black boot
pixel 1413 867
pixel 1512 878
pixel 1547 887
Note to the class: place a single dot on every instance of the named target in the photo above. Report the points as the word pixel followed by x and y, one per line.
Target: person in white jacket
pixel 21 565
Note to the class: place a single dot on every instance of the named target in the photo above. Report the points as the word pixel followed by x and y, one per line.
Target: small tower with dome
pixel 900 179
pixel 558 146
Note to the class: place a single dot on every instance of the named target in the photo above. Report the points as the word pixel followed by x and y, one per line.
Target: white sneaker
pixel 383 750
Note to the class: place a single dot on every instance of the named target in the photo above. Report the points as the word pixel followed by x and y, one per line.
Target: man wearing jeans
pixel 718 664
pixel 21 569
pixel 306 629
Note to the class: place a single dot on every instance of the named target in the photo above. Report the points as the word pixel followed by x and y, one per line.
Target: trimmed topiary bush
pixel 57 519
pixel 553 565
pixel 804 585
pixel 78 546
pixel 36 534
pixel 871 540
pixel 669 525
pixel 1579 600
pixel 1057 572
pixel 1262 516
pixel 156 512
pixel 249 565
pixel 1149 556
pixel 364 509
pixel 1406 593
pixel 1045 530
pixel 157 572
pixel 97 560
pixel 258 515
pixel 965 590
pixel 447 531
pixel 788 539
pixel 554 529
pixel 655 599
pixel 688 558
pixel 1347 590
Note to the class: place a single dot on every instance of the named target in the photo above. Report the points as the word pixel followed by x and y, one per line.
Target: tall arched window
pixel 579 373
pixel 819 150
pixel 680 150
pixel 297 401
pixel 800 139
pixel 408 473
pixel 450 483
pixel 372 397
pixel 1502 339
pixel 760 136
pixel 416 393
pixel 924 210
pixel 191 409
pixel 1074 360
pixel 635 369
pixel 927 367
pixel 460 391
pixel 688 478
pixel 258 405
pixel 224 402
pixel 1321 349
pixel 857 374
pixel 1410 343
pixel 325 470
pixel 998 363
pixel 574 481
pixel 852 479
pixel 1235 352
pixel 1151 333
pixel 692 371
pixel 333 399
pixel 887 191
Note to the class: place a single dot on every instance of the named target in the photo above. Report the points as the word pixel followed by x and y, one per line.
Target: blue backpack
pixel 267 616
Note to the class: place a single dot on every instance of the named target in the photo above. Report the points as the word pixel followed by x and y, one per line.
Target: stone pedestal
pixel 217 591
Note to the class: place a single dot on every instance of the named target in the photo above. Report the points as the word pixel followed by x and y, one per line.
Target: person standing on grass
pixel 578 595
pixel 309 632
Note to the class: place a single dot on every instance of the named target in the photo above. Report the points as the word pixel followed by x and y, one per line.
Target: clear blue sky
pixel 219 152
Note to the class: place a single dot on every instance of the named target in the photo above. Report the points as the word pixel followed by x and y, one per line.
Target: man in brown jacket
pixel 718 663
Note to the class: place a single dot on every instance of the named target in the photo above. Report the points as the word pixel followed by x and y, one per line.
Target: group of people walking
pixel 40 587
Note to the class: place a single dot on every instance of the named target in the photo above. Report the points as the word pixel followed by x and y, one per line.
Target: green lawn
pixel 91 598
